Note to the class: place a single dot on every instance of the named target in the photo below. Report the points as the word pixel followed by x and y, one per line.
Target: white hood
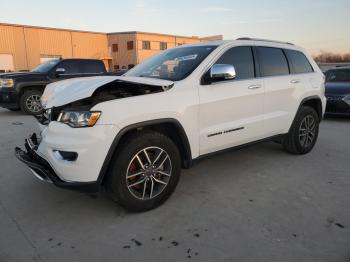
pixel 67 91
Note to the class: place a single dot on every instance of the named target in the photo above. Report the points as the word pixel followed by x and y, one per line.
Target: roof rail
pixel 265 40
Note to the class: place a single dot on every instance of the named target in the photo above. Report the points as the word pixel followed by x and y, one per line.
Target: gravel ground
pixel 254 204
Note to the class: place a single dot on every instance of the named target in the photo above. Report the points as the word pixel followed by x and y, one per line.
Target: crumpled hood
pixel 71 90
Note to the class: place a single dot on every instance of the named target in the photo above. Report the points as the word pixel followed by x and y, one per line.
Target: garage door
pixel 6 63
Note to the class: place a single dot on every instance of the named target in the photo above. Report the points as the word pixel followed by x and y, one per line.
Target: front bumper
pixel 43 170
pixel 8 98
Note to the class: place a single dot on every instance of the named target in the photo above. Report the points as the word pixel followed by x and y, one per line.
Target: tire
pixel 30 102
pixel 141 196
pixel 303 133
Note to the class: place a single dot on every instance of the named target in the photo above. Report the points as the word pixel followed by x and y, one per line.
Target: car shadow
pixel 6 112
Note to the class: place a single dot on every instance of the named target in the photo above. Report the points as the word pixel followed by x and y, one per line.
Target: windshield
pixel 338 75
pixel 45 67
pixel 173 64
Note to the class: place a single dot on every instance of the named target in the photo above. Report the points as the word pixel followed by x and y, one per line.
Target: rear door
pixel 231 111
pixel 281 89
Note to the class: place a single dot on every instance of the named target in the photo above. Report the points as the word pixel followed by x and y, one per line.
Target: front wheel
pixel 144 172
pixel 303 134
pixel 30 102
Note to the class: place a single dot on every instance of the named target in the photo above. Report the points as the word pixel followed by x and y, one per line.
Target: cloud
pixel 255 21
pixel 69 21
pixel 144 8
pixel 234 22
pixel 215 9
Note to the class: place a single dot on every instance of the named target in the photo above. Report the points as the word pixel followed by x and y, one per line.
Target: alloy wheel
pixel 148 173
pixel 307 131
pixel 33 103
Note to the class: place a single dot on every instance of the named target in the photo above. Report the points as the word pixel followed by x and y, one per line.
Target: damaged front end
pixel 46 117
pixel 44 171
pixel 60 155
pixel 76 99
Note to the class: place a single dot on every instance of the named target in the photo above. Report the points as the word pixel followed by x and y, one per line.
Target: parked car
pixel 134 133
pixel 23 90
pixel 338 91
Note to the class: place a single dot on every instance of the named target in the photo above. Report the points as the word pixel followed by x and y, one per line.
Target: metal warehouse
pixel 23 47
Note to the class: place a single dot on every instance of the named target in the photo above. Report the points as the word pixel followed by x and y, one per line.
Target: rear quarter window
pixel 93 67
pixel 272 61
pixel 300 63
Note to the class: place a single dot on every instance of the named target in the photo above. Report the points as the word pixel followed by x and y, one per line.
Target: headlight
pixel 346 99
pixel 79 119
pixel 6 82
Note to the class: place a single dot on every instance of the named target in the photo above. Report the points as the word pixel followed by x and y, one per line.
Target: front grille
pixel 48 116
pixel 331 108
pixel 55 114
pixel 336 104
pixel 334 98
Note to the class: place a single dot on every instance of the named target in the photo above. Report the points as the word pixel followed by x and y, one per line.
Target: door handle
pixel 254 86
pixel 295 81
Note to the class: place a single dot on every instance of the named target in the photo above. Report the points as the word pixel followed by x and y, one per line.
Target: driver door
pixel 231 111
pixel 70 69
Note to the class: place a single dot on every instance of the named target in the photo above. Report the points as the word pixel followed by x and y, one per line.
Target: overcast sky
pixel 315 24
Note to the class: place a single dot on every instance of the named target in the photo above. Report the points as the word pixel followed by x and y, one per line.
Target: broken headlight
pixel 79 119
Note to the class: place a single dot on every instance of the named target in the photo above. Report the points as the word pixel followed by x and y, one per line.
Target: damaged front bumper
pixel 43 170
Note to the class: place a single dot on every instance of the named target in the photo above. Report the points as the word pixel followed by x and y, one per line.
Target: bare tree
pixel 328 57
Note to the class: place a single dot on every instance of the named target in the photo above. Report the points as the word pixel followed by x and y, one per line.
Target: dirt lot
pixel 254 204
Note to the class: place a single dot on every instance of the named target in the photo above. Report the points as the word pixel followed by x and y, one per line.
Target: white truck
pixel 134 133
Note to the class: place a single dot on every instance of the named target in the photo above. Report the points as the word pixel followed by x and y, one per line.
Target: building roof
pixel 160 34
pixel 211 43
pixel 51 28
pixel 113 33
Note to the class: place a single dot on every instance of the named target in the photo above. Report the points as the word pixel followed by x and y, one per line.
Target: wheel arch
pixel 311 101
pixel 24 88
pixel 315 102
pixel 168 126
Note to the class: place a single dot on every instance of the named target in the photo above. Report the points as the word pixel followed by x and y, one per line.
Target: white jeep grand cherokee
pixel 134 133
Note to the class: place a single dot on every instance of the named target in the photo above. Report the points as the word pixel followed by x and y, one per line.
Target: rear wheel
pixel 30 102
pixel 303 134
pixel 145 171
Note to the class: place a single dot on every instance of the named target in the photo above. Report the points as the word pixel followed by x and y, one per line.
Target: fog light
pixel 64 155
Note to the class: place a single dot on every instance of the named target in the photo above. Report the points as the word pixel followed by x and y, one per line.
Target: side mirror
pixel 221 72
pixel 60 71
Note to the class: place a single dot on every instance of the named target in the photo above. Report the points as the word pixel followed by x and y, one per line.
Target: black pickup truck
pixel 23 90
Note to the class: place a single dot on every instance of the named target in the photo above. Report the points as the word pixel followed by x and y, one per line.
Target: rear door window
pixel 272 62
pixel 242 59
pixel 299 62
